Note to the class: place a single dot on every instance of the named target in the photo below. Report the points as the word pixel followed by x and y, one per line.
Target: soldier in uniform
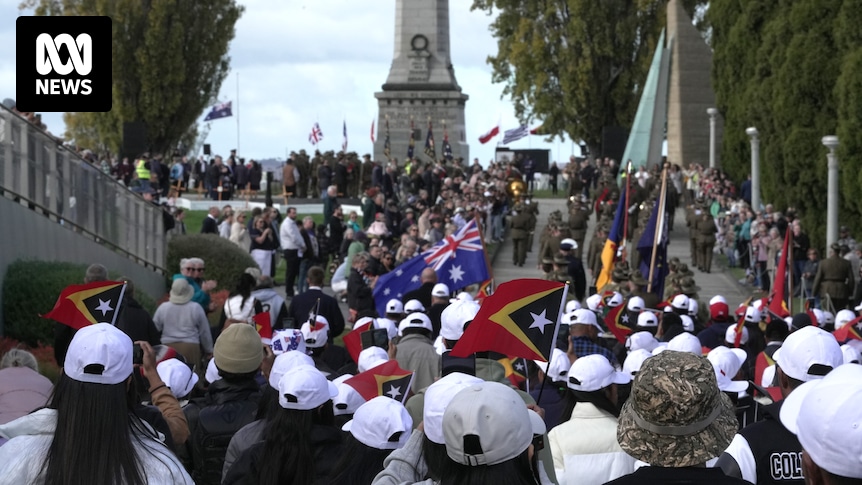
pixel 619 278
pixel 705 227
pixel 835 279
pixel 597 245
pixel 638 287
pixel 304 168
pixel 643 218
pixel 520 225
pixel 531 208
pixel 561 269
pixel 316 163
pixel 548 269
pixel 579 217
pixel 552 243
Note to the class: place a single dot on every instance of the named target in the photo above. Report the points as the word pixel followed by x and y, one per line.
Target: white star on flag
pixel 415 278
pixel 456 273
pixel 104 306
pixel 386 292
pixel 540 321
pixel 399 272
pixel 519 367
pixel 625 318
pixel 394 392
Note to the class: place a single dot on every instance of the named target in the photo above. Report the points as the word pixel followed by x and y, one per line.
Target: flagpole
pixel 789 258
pixel 237 113
pixel 554 341
pixel 659 227
pixel 626 215
pixel 119 304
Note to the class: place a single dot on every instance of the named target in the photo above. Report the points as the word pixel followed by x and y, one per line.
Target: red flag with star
pixel 353 340
pixel 387 379
pixel 516 370
pixel 263 325
pixel 848 332
pixel 614 321
pixel 521 319
pixel 81 305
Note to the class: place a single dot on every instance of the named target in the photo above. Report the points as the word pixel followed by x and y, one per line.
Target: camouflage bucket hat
pixel 638 279
pixel 676 416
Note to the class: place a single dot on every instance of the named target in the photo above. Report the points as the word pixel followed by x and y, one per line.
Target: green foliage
pixel 225 261
pixel 169 61
pixel 578 66
pixel 31 288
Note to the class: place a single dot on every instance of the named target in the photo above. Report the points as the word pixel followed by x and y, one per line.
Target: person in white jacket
pixel 584 446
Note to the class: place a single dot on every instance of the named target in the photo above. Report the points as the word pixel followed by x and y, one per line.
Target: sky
pixel 299 62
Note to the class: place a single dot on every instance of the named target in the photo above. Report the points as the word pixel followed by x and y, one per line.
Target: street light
pixel 831 142
pixel 755 168
pixel 712 112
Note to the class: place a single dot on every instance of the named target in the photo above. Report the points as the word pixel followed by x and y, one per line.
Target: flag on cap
pixel 520 319
pixel 429 144
pixel 737 339
pixel 515 134
pixel 617 321
pixel 81 305
pixel 615 236
pixel 490 134
pixel 353 339
pixel 387 379
pixel 221 110
pixel 263 325
pixel 848 332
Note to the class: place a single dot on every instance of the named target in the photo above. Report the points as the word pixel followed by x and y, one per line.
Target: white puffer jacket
pixel 234 308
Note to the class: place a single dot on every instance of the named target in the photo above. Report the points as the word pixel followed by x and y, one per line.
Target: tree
pixel 169 61
pixel 577 65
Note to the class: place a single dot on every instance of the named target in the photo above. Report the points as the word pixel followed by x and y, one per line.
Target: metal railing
pixel 55 181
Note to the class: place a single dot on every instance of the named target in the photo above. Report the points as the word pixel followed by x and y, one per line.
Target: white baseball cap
pixel 752 314
pixel 348 399
pixel 594 372
pixel 371 357
pixel 826 417
pixel 851 355
pixel 730 335
pixel 572 305
pixel 634 360
pixel 808 354
pixel 99 354
pixel 178 376
pixel 636 304
pixel 317 335
pixel 463 296
pixel 614 300
pixel 768 376
pixel 686 342
pixel 437 397
pixel 687 323
pixel 828 318
pixel 440 290
pixel 286 361
pixel 559 368
pixel 479 411
pixel 661 347
pixel 211 375
pixel 304 388
pixel 641 340
pixel 585 317
pixel 692 306
pixel 843 318
pixel 455 316
pixel 818 314
pixel 594 302
pixel 680 302
pixel 647 319
pixel 415 320
pixel 726 363
pixel 381 423
pixel 393 306
pixel 413 306
pixel 717 299
pixel 287 340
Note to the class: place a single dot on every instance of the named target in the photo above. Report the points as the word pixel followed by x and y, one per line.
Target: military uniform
pixel 690 217
pixel 520 225
pixel 304 169
pixel 579 217
pixel 705 228
pixel 532 208
pixel 835 278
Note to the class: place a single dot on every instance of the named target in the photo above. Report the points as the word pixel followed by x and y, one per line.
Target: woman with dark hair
pixel 584 446
pixel 88 432
pixel 300 442
pixel 241 307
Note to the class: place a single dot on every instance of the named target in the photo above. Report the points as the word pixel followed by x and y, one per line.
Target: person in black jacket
pixel 428 278
pixel 210 222
pixel 136 322
pixel 360 286
pixel 304 304
pixel 63 333
pixel 575 268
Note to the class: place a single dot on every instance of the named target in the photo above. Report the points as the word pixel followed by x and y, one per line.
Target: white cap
pixel 571 243
pixel 687 323
pixel 559 367
pixel 858 307
pixel 437 397
pixel 818 313
pixel 383 322
pixel 692 306
pixel 757 304
pixel 415 320
pixel 647 319
pixel 717 299
pixel 394 306
pixel 635 360
pixel 455 316
pixel 371 357
pixel 614 300
pixel 594 302
pixel 641 340
pixel 304 388
pixel 178 376
pixel 843 318
pixel 585 317
pixel 826 417
pixel 211 374
pixel 730 335
pixel 726 364
pixel 286 361
pixel 440 290
pixel 99 354
pixel 636 304
pixel 287 340
pixel 348 399
pixel 594 372
pixel 851 355
pixel 463 296
pixel 566 318
pixel 680 302
pixel 317 335
pixel 808 354
pixel 413 306
pixel 686 342
pixel 381 423
pixel 828 318
pixel 768 376
pixel 752 314
pixel 572 305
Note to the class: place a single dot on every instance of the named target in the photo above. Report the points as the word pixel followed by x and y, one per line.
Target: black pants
pixel 291 259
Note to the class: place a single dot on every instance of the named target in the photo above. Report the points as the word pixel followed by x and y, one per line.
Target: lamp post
pixel 755 168
pixel 831 142
pixel 712 112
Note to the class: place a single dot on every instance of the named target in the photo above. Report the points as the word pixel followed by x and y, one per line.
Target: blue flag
pixel 219 111
pixel 657 222
pixel 459 261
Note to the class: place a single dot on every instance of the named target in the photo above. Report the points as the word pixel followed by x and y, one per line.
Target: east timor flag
pixel 353 340
pixel 386 379
pixel 848 332
pixel 520 319
pixel 82 305
pixel 617 322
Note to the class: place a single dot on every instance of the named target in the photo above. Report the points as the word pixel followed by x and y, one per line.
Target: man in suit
pixel 305 303
pixel 210 224
pixel 835 278
pixel 428 279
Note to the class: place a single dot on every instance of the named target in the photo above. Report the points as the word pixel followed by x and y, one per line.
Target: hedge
pixel 224 260
pixel 31 288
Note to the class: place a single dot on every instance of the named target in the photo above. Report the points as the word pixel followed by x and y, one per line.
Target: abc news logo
pixel 72 68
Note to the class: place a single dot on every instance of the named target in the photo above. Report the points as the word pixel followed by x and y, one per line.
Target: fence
pixel 39 172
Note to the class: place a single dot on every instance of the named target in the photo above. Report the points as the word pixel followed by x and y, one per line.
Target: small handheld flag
pixel 316 134
pixel 263 325
pixel 387 379
pixel 81 305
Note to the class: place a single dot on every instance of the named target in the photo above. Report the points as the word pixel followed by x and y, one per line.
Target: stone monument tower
pixel 421 85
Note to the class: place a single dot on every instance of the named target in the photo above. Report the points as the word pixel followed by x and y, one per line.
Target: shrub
pixel 31 288
pixel 225 261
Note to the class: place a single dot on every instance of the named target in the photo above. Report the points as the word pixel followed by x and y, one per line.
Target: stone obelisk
pixel 421 85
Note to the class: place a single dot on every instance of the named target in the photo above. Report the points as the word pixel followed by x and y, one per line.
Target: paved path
pixel 718 282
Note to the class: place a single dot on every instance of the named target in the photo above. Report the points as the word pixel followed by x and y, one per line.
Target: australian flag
pixel 459 261
pixel 648 243
pixel 219 111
